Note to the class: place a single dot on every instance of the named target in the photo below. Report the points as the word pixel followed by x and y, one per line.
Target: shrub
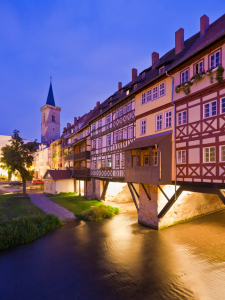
pixel 24 230
pixel 100 212
pixel 42 187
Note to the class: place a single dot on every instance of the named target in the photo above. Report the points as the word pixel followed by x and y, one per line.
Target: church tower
pixel 50 119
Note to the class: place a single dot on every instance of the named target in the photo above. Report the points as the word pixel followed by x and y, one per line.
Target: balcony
pixel 68 157
pixel 82 155
pixel 81 172
pixel 143 174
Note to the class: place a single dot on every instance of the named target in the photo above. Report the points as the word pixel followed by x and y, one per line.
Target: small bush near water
pixel 100 212
pixel 23 230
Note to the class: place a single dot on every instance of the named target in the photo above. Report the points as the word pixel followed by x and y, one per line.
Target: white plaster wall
pixel 64 186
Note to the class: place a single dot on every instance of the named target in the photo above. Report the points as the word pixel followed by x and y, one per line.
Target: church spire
pixel 50 99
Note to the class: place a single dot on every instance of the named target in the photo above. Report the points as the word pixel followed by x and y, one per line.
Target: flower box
pixel 108 168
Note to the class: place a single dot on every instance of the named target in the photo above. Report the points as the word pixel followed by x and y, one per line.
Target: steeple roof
pixel 50 99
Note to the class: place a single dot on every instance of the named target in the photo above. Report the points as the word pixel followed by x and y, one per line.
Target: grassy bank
pixel 85 209
pixel 21 221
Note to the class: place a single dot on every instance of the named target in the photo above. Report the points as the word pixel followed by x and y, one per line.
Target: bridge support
pixel 164 210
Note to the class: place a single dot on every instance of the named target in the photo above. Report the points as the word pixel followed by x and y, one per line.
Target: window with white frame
pixel 209 154
pixel 181 157
pixel 168 119
pixel 222 106
pixel 210 109
pixel 117 160
pixel 125 133
pixel 149 95
pixel 130 132
pixel 107 119
pixel 159 122
pixel 94 144
pixel 94 126
pixel 143 99
pixel 94 164
pixel 115 137
pixel 162 89
pixel 109 162
pixel 135 86
pixel 184 76
pixel 155 93
pixel 198 68
pixel 121 111
pixel 154 157
pixel 100 143
pixel 182 117
pixel 143 126
pixel 129 106
pixel 117 113
pixel 100 123
pixel 222 153
pixel 161 70
pixel 127 92
pixel 215 59
pixel 120 135
pixel 124 108
pixel 103 163
pixel 108 140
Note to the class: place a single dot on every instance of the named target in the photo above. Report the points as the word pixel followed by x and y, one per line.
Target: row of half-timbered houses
pixel 161 136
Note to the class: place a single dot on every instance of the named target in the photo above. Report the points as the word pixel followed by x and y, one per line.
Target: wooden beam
pixel 104 190
pixel 146 192
pixel 163 193
pixel 133 196
pixel 220 194
pixel 134 189
pixel 170 202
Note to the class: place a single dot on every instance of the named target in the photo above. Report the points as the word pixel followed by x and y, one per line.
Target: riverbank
pixel 21 221
pixel 83 208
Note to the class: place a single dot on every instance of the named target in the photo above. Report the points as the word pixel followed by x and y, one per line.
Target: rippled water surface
pixel 119 259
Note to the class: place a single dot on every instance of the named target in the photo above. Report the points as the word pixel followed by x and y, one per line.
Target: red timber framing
pixel 198 133
pixel 101 153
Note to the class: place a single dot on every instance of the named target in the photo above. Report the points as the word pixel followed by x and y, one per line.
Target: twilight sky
pixel 86 46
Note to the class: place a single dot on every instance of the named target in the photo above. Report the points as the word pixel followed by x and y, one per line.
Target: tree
pixel 18 157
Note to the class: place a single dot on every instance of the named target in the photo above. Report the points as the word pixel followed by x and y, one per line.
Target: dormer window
pixel 143 75
pixel 135 86
pixel 161 70
pixel 127 92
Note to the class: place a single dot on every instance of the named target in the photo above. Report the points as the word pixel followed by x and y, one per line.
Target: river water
pixel 119 259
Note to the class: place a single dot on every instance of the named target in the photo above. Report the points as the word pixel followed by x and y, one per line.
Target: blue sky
pixel 86 46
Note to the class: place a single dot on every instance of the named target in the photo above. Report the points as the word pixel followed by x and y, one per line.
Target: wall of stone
pixel 119 192
pixel 187 206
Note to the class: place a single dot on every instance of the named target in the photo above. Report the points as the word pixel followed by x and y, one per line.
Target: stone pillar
pixel 98 188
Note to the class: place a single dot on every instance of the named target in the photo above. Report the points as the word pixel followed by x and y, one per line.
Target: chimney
pixel 75 120
pixel 155 59
pixel 204 24
pixel 97 104
pixel 119 86
pixel 179 40
pixel 68 125
pixel 134 74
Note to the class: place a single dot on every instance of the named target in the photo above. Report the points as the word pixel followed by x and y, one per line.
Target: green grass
pixel 21 221
pixel 83 209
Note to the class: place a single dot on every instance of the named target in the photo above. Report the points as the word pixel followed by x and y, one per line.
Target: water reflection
pixel 119 259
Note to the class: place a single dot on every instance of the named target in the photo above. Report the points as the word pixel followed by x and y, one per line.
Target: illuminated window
pixel 154 157
pixel 109 162
pixel 117 160
pixel 209 154
pixel 181 157
pixel 210 109
pixel 127 92
pixel 103 163
pixel 222 153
